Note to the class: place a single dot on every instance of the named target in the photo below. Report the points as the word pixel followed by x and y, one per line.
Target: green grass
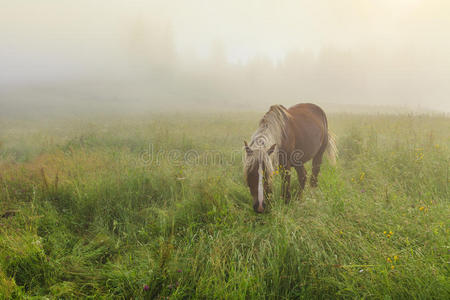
pixel 94 217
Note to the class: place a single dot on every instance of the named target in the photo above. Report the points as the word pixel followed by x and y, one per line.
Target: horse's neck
pixel 270 135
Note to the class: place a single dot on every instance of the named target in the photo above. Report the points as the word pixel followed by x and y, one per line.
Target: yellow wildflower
pixel 361 177
pixel 395 257
pixel 419 155
pixel 388 234
pixel 389 260
pixel 392 267
pixel 422 208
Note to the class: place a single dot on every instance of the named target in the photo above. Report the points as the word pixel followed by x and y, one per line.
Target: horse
pixel 286 138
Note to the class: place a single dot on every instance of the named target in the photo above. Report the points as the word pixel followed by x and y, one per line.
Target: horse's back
pixel 308 109
pixel 310 128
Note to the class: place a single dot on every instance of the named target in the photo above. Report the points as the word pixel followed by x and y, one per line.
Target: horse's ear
pixel 271 149
pixel 247 148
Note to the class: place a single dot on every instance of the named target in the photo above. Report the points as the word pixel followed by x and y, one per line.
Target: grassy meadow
pixel 155 207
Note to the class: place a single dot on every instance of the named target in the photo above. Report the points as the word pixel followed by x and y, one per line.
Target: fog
pixel 107 55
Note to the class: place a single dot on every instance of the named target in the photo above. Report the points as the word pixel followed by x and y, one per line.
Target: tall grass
pixel 90 211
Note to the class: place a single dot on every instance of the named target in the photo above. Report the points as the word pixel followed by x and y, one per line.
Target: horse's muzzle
pixel 259 208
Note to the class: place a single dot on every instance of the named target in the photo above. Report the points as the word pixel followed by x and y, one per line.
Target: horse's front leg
pixel 286 183
pixel 301 174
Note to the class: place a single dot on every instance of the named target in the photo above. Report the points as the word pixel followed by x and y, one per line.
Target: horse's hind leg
pixel 317 161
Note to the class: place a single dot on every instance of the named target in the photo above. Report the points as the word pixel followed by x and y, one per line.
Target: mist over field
pixel 60 57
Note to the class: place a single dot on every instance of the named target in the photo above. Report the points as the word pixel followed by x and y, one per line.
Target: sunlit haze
pixel 226 54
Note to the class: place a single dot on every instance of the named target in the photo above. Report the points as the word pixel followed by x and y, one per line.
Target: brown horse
pixel 286 138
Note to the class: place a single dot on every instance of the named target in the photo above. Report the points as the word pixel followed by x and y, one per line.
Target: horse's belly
pixel 309 140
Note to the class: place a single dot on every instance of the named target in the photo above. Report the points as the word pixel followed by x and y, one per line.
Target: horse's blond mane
pixel 271 130
pixel 272 126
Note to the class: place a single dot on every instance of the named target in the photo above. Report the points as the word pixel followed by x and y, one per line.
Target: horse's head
pixel 258 169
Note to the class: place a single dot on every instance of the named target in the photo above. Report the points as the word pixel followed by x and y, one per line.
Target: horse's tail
pixel 332 151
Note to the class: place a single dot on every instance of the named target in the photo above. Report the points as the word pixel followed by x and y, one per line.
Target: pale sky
pixel 65 38
pixel 247 28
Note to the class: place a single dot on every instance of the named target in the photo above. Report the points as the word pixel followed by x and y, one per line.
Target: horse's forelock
pixel 252 162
